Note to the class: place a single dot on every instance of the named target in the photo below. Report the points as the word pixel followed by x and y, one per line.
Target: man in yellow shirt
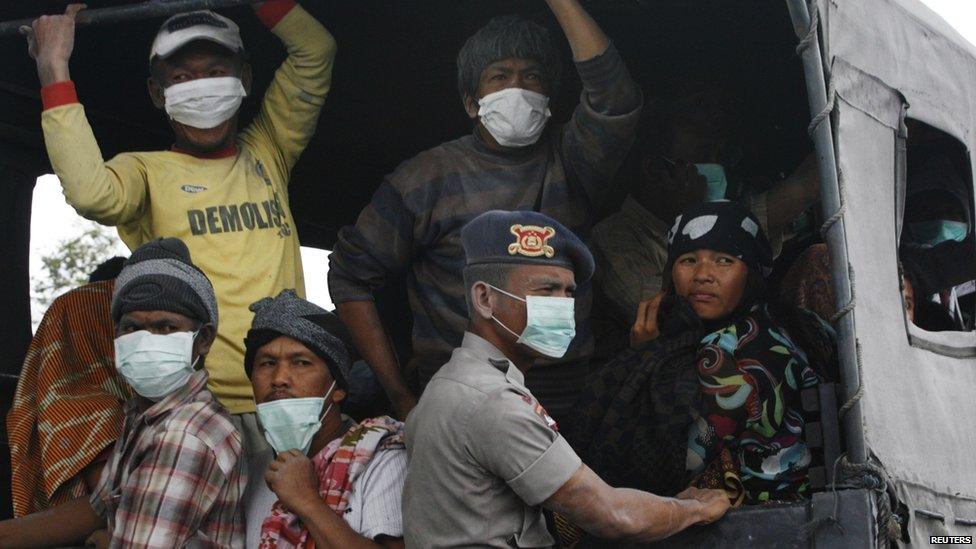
pixel 223 192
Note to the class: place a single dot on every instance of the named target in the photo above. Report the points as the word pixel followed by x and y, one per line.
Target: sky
pixel 49 202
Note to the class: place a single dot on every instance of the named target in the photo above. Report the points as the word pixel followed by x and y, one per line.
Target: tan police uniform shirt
pixel 484 455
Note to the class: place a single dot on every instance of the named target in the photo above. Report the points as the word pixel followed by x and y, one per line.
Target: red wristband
pixel 59 93
pixel 273 11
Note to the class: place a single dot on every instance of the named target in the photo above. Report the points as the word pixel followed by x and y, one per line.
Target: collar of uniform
pixel 196 383
pixel 482 348
pixel 644 219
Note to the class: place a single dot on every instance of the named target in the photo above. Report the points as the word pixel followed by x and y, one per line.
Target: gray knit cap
pixel 289 315
pixel 160 276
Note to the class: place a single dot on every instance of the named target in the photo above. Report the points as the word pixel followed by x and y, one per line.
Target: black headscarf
pixel 730 228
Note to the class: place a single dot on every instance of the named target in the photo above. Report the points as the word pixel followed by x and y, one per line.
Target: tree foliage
pixel 69 265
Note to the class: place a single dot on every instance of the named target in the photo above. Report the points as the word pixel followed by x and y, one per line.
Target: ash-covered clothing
pixel 751 374
pixel 630 248
pixel 68 373
pixel 630 424
pixel 360 477
pixel 412 225
pixel 176 476
pixel 231 210
pixel 484 454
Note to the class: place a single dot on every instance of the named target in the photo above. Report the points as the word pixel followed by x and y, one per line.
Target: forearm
pixel 328 530
pixel 68 524
pixel 622 513
pixel 52 71
pixel 787 199
pixel 370 338
pixel 643 517
pixel 585 37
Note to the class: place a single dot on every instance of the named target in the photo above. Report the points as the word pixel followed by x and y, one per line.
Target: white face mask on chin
pixel 515 117
pixel 204 103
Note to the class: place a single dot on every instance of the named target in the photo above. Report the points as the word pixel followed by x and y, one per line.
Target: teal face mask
pixel 716 182
pixel 290 423
pixel 935 232
pixel 550 324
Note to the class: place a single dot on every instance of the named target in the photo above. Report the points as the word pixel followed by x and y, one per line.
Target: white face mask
pixel 204 103
pixel 290 423
pixel 155 365
pixel 550 323
pixel 515 117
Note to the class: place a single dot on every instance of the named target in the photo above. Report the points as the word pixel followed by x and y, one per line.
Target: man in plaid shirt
pixel 177 474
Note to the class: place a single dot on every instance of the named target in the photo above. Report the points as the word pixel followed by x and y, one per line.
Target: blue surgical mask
pixel 716 182
pixel 935 232
pixel 155 365
pixel 550 324
pixel 291 423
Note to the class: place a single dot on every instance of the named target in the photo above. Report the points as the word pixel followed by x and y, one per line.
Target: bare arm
pixel 788 198
pixel 585 37
pixel 370 338
pixel 65 525
pixel 632 515
pixel 291 476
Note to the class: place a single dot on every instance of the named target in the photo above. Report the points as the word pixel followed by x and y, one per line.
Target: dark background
pixel 394 94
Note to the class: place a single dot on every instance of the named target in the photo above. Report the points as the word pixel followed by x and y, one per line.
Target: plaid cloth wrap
pixel 337 466
pixel 68 407
pixel 633 416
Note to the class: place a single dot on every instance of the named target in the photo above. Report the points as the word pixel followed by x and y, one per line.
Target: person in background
pixel 176 475
pixel 334 482
pixel 485 455
pixel 222 191
pixel 68 373
pixel 937 239
pixel 513 160
pixel 686 157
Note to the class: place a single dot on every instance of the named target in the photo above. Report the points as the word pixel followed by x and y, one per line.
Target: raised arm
pixel 632 515
pixel 111 193
pixel 604 125
pixel 291 105
pixel 585 37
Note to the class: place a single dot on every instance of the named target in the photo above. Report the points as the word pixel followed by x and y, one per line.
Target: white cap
pixel 183 28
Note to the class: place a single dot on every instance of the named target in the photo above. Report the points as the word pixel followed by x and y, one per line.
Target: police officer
pixel 485 457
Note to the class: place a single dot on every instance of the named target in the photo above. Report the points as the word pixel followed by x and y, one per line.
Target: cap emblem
pixel 531 241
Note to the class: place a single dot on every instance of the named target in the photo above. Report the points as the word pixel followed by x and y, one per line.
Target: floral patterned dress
pixel 750 374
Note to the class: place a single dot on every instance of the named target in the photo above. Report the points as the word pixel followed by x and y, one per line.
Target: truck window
pixel 936 243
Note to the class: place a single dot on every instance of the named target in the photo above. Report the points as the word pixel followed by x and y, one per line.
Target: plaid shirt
pixel 176 475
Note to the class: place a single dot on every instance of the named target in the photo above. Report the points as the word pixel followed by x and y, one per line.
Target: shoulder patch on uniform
pixel 541 412
pixel 532 240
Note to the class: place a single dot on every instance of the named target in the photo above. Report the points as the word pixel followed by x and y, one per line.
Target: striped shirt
pixel 412 225
pixel 176 475
pixel 374 503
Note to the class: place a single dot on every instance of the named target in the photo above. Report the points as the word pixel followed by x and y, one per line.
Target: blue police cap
pixel 525 238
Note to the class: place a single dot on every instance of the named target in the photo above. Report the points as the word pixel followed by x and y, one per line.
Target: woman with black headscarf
pixel 712 364
pixel 753 361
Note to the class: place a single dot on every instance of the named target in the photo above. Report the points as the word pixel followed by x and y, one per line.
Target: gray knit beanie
pixel 289 315
pixel 160 276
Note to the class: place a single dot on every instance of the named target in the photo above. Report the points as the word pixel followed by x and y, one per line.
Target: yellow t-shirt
pixel 232 213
